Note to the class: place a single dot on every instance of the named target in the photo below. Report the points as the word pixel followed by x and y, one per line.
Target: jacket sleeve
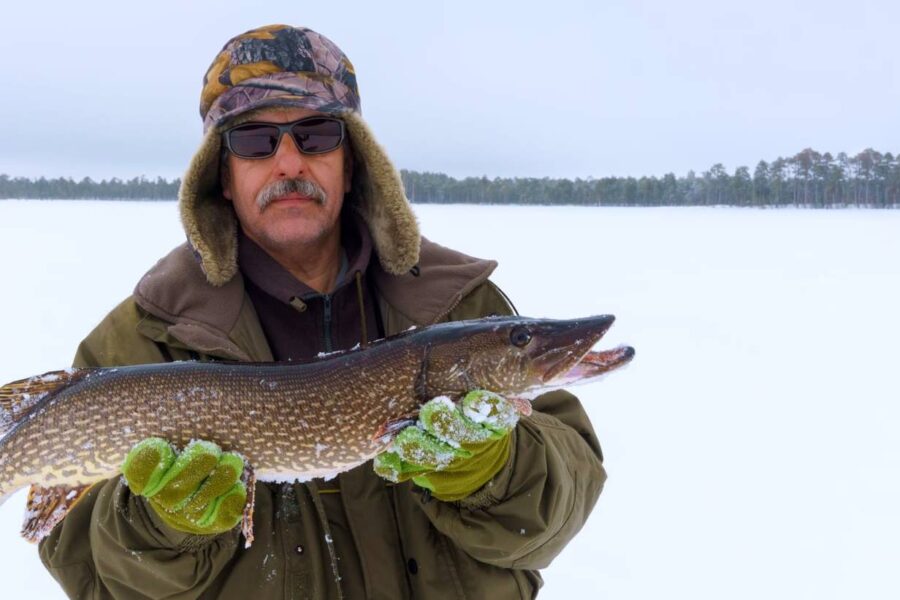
pixel 529 511
pixel 111 545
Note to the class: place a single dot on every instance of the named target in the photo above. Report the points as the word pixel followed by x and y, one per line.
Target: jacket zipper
pixel 326 306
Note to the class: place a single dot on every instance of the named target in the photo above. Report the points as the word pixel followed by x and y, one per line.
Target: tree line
pixel 66 188
pixel 807 179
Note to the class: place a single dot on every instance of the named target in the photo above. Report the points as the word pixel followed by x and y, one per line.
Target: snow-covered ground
pixel 753 446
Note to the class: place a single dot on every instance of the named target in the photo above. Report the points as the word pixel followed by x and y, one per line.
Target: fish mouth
pixel 560 346
pixel 591 365
pixel 595 364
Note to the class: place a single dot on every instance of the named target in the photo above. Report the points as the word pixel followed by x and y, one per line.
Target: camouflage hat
pixel 278 65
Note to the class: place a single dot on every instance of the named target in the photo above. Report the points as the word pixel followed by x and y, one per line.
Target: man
pixel 300 240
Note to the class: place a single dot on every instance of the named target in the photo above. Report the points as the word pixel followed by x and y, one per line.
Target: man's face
pixel 292 221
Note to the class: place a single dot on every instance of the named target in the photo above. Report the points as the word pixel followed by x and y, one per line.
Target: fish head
pixel 509 355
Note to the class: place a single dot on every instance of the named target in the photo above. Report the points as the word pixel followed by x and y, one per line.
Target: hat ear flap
pixel 208 218
pixel 378 195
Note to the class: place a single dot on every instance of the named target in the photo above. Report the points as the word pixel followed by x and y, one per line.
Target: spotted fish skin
pixel 296 421
pixel 72 428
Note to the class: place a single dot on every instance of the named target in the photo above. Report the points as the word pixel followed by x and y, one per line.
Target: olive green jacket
pixel 356 536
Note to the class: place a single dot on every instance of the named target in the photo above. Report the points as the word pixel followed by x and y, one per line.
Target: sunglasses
pixel 312 135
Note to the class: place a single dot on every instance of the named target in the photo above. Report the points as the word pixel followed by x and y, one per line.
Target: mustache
pixel 283 187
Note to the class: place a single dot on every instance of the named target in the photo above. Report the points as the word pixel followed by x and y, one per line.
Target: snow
pixel 479 412
pixel 752 446
pixel 444 400
pixel 291 477
pixel 205 446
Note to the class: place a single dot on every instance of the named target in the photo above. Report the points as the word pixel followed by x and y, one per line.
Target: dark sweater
pixel 300 322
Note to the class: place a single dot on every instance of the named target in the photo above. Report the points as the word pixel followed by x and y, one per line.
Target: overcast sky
pixel 559 89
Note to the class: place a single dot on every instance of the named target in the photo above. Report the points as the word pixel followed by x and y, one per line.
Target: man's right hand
pixel 198 491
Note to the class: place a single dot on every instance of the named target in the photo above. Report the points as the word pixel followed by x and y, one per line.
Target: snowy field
pixel 753 446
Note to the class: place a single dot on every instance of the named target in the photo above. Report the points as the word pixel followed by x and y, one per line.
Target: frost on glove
pixel 453 450
pixel 198 491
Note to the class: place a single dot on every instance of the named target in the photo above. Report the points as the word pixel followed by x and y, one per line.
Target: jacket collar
pixel 220 320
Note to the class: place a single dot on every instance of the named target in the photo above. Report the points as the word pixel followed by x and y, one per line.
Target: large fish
pixel 66 430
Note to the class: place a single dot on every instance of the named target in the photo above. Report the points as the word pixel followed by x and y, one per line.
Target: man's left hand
pixel 454 449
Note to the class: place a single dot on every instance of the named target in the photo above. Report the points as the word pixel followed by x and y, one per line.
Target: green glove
pixel 454 450
pixel 198 491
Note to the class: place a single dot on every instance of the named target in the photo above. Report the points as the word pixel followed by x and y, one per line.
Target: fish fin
pixel 391 427
pixel 47 506
pixel 523 405
pixel 249 478
pixel 17 398
pixel 420 387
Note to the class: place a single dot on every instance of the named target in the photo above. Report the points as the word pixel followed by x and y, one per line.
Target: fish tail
pixel 47 506
pixel 18 399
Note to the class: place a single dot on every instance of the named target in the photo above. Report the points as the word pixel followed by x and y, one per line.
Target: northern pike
pixel 67 430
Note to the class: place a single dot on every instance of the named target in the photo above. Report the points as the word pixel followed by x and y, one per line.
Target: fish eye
pixel 520 336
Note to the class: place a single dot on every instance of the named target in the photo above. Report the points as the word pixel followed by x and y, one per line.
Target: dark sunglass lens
pixel 253 141
pixel 317 135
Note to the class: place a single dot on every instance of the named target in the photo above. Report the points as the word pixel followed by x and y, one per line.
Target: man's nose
pixel 289 161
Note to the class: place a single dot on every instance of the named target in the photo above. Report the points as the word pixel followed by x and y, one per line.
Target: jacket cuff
pixel 178 540
pixel 495 490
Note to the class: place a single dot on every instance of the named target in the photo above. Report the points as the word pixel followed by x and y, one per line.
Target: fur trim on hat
pixel 379 197
pixel 377 194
